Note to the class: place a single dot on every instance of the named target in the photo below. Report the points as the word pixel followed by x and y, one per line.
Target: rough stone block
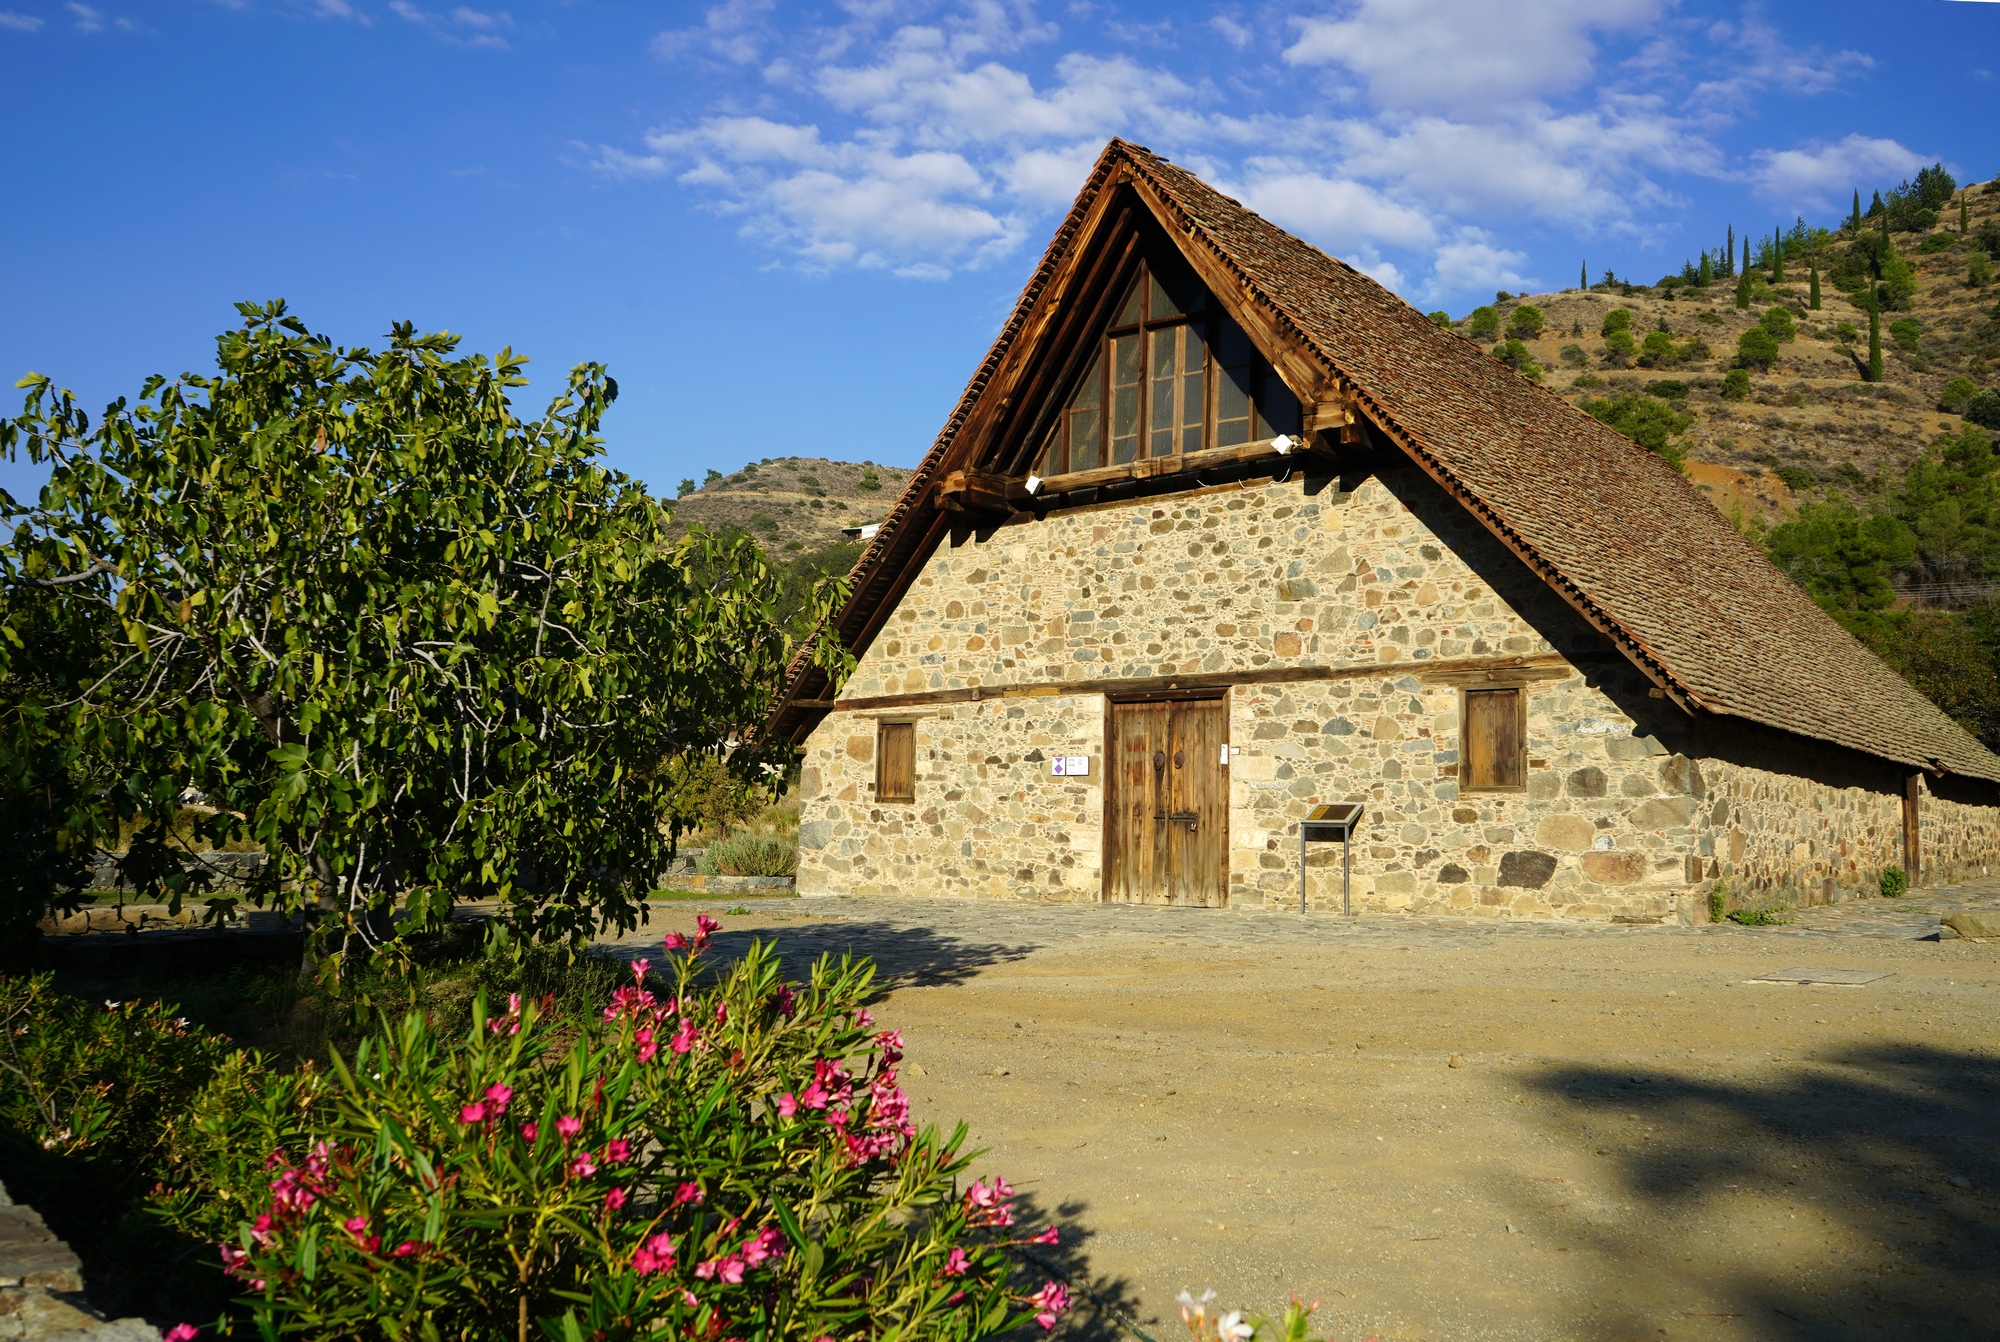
pixel 1529 870
pixel 1663 813
pixel 1614 868
pixel 1633 747
pixel 1572 833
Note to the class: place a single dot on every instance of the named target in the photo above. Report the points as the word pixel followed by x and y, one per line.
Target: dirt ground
pixel 1458 1133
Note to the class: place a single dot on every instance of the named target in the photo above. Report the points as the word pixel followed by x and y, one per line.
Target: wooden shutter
pixel 896 761
pixel 1494 754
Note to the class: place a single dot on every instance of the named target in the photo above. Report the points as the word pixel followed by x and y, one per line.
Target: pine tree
pixel 1875 340
pixel 1856 224
pixel 1778 257
pixel 1875 206
pixel 1812 300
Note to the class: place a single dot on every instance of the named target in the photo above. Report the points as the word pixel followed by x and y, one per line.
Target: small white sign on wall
pixel 1069 766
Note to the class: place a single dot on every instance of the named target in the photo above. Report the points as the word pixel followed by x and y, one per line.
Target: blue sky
pixel 793 228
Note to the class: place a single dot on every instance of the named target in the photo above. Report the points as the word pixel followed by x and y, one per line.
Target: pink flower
pixel 675 941
pixel 1053 1300
pixel 617 1151
pixel 405 1249
pixel 528 1131
pixel 643 1037
pixel 498 1097
pixel 639 968
pixel 583 1166
pixel 987 1204
pixel 891 1042
pixel 788 1104
pixel 787 1002
pixel 722 1013
pixel 728 1268
pixel 356 1224
pixel 181 1332
pixel 956 1264
pixel 769 1243
pixel 709 927
pixel 685 1037
pixel 655 1255
pixel 814 1096
pixel 862 1018
pixel 569 1125
pixel 1048 1236
pixel 473 1113
pixel 687 1193
pixel 614 1199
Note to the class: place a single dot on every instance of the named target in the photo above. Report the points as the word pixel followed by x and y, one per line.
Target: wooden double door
pixel 1167 805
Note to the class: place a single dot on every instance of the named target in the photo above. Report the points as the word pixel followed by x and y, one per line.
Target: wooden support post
pixel 1913 792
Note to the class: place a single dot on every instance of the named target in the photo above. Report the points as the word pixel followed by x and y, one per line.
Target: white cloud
pixel 1471 262
pixel 1766 61
pixel 735 31
pixel 463 26
pixel 1338 214
pixel 20 23
pixel 1817 176
pixel 1466 55
pixel 1232 32
pixel 88 20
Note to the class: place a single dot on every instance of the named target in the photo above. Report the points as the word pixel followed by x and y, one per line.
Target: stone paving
pixel 919 939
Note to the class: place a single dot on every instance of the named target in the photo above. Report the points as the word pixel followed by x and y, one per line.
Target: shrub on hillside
pixel 1778 324
pixel 1574 356
pixel 1618 319
pixel 1736 385
pixel 1619 349
pixel 1646 420
pixel 1957 395
pixel 1756 349
pixel 1483 324
pixel 1984 409
pixel 1525 323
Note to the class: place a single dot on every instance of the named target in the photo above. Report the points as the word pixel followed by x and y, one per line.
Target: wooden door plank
pixel 1200 807
pixel 1138 733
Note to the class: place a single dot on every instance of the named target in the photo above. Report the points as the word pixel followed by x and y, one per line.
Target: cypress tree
pixel 1706 275
pixel 1746 258
pixel 1730 251
pixel 1856 224
pixel 1885 225
pixel 1778 257
pixel 1964 215
pixel 1813 300
pixel 1583 277
pixel 1875 339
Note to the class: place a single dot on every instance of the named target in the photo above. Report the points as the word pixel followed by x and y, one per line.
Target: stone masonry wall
pixel 1600 832
pixel 1961 840
pixel 1385 584
pixel 988 820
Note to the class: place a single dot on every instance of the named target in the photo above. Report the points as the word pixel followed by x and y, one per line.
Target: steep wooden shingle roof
pixel 1613 528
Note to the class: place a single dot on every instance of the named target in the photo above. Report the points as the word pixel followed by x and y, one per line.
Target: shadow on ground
pixel 1850 1196
pixel 905 957
pixel 1097 1303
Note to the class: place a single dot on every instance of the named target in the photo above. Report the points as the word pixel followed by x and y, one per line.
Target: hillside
pixel 1811 419
pixel 792 505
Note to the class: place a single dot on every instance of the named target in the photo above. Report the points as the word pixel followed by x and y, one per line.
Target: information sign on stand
pixel 1334 822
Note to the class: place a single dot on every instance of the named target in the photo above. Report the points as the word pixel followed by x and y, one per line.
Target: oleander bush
pixel 703 1154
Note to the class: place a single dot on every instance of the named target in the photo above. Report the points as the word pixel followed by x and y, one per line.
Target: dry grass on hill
pixel 1813 410
pixel 793 505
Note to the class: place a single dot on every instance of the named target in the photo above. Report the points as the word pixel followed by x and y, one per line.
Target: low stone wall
pixel 732 885
pixel 232 872
pixel 41 1287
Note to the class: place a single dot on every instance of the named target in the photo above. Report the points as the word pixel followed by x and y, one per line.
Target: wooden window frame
pixel 882 737
pixel 1465 783
pixel 1058 452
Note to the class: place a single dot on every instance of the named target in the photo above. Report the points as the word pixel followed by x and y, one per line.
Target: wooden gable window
pixel 1493 744
pixel 1172 375
pixel 896 761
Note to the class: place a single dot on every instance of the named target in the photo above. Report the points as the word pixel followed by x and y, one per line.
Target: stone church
pixel 1222 530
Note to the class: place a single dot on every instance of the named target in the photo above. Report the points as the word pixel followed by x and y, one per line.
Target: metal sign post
pixel 1334 822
